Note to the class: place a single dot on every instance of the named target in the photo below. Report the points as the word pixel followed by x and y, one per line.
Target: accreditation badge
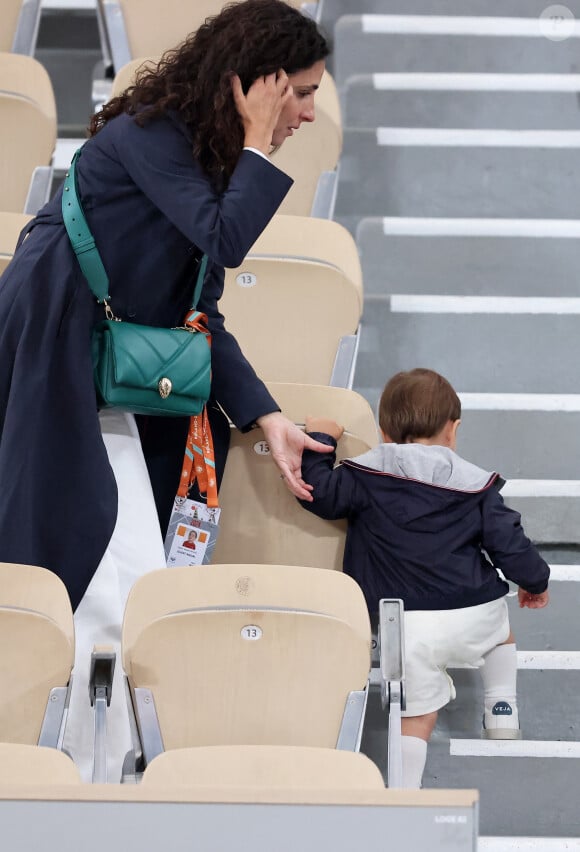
pixel 191 534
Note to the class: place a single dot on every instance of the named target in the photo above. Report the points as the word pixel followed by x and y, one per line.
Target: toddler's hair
pixel 417 404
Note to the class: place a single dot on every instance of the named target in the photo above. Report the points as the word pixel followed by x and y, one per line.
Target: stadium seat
pixel 31 764
pixel 301 283
pixel 19 26
pixel 260 520
pixel 37 641
pixel 246 655
pixel 270 767
pixel 311 157
pixel 148 27
pixel 28 128
pixel 10 226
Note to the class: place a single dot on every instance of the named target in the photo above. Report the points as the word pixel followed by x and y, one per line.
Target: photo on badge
pixel 191 534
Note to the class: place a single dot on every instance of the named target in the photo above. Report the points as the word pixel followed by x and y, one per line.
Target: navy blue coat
pixel 152 212
pixel 424 525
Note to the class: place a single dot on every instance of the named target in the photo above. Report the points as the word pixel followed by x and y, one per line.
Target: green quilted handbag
pixel 140 368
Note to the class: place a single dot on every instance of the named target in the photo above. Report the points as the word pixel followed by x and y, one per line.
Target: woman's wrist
pixel 264 419
pixel 260 141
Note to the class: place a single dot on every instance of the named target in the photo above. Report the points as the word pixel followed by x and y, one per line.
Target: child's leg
pixel 416 731
pixel 499 674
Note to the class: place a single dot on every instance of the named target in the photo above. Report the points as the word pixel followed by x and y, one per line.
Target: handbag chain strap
pixel 85 248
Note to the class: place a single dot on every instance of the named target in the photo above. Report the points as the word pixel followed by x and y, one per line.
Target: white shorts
pixel 437 639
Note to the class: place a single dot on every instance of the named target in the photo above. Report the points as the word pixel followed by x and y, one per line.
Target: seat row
pixel 230 656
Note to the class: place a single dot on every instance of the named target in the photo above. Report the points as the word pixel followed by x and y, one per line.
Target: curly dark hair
pixel 250 38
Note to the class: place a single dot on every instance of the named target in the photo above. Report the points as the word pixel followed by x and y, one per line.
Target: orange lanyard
pixel 199 457
pixel 199 460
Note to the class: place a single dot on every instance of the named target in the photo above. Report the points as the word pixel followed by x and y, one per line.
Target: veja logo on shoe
pixel 501 708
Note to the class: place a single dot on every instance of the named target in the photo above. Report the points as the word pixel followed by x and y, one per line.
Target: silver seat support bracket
pixel 392 680
pixel 100 691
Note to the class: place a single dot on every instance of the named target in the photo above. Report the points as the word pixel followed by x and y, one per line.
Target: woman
pixel 175 167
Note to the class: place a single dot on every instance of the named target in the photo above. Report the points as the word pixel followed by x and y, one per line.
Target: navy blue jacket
pixel 152 211
pixel 424 525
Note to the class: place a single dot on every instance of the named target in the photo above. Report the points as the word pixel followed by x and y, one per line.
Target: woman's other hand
pixel 260 108
pixel 287 443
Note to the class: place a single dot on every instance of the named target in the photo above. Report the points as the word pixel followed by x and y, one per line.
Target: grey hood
pixel 433 465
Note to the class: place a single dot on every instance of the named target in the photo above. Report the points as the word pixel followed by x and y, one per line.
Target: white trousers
pixel 136 548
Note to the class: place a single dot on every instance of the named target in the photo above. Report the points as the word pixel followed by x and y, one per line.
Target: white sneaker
pixel 501 722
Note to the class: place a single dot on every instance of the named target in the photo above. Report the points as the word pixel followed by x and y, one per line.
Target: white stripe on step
pixel 429 304
pixel 471 227
pixel 477 25
pixel 565 402
pixel 549 660
pixel 423 81
pixel 443 136
pixel 541 488
pixel 565 573
pixel 513 748
pixel 528 844
pixel 540 660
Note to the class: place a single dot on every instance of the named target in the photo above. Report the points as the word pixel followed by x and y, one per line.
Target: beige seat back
pixel 233 654
pixel 9 22
pixel 347 407
pixel 153 26
pixel 31 764
pixel 160 593
pixel 125 76
pixel 314 148
pixel 37 641
pixel 241 676
pixel 271 767
pixel 19 25
pixel 28 126
pixel 10 226
pixel 260 520
pixel 36 589
pixel 36 657
pixel 296 294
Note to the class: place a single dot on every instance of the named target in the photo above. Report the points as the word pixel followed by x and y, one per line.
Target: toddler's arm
pixel 511 551
pixel 334 491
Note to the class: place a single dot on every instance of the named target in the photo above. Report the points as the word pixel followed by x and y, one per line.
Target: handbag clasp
pixel 164 387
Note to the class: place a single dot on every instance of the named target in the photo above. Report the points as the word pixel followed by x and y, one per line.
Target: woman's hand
pixel 260 108
pixel 287 442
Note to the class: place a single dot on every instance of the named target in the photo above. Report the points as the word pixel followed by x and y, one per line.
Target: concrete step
pixel 413 172
pixel 469 257
pixel 483 353
pixel 503 810
pixel 421 43
pixel 492 353
pixel 505 101
pixel 69 48
pixel 509 441
pixel 334 9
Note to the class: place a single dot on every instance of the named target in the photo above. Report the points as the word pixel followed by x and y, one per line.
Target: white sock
pixel 414 752
pixel 499 674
